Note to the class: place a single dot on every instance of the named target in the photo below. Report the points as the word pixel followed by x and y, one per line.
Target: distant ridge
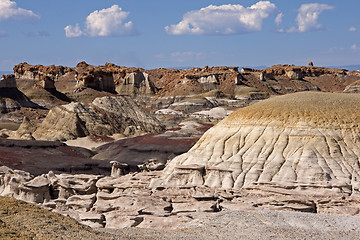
pixel 347 67
pixel 5 72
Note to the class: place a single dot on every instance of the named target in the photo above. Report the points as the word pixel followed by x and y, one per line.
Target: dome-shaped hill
pixel 298 141
pixel 315 109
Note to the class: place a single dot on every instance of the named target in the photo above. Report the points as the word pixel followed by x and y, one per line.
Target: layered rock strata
pixel 104 116
pixel 122 201
pixel 304 141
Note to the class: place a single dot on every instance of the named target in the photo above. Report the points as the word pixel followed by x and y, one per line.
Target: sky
pixel 168 33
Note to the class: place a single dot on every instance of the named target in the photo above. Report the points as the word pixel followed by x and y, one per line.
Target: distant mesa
pixel 304 141
pixel 169 82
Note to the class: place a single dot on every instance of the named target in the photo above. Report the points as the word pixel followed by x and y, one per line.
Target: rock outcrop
pixel 94 77
pixel 136 83
pixel 45 76
pixel 303 141
pixel 299 72
pixel 104 116
pixel 122 201
pixel 8 81
pixel 353 87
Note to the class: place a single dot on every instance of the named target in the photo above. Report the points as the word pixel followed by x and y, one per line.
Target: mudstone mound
pixel 305 141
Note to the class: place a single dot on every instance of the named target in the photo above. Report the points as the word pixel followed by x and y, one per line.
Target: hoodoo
pixel 302 141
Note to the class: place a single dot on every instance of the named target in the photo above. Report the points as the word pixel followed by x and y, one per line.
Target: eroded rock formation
pixel 121 201
pixel 104 116
pixel 8 81
pixel 136 83
pixel 304 141
pixel 44 75
pixel 94 77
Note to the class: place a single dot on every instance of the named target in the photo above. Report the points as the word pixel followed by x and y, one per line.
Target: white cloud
pixel 9 10
pixel 223 20
pixel 355 47
pixel 308 15
pixel 352 29
pixel 103 23
pixel 71 31
pixel 278 19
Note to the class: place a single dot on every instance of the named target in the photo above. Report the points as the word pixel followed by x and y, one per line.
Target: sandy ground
pixel 89 143
pixel 255 225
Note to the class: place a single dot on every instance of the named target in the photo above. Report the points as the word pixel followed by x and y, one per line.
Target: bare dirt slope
pixel 20 220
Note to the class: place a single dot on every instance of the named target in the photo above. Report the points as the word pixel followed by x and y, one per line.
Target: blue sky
pixel 164 33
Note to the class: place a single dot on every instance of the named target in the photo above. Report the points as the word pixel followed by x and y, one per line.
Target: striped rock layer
pixel 299 141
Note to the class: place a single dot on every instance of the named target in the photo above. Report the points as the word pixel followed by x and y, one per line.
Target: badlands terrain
pixel 111 152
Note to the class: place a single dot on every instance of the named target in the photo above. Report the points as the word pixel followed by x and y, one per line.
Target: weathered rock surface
pixel 22 220
pixel 136 83
pixel 117 202
pixel 212 115
pixel 304 141
pixel 94 77
pixel 11 99
pixel 36 72
pixel 105 116
pixel 353 87
pixel 8 81
pixel 39 157
pixel 159 148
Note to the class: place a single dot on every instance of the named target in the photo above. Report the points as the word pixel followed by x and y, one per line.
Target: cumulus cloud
pixel 308 15
pixel 103 23
pixel 71 31
pixel 352 29
pixel 9 10
pixel 223 20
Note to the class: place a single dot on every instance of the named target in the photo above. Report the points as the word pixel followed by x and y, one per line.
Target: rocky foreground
pixel 21 220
